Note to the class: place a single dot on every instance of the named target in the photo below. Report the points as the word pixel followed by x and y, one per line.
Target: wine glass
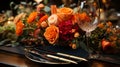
pixel 90 20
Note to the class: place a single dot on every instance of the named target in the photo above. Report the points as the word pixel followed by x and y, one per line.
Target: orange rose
pixel 19 28
pixel 61 17
pixel 65 13
pixel 51 34
pixel 32 17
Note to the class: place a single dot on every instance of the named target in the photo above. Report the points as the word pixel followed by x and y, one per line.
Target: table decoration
pixel 60 31
pixel 61 27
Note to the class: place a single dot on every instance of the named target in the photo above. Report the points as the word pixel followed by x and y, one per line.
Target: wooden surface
pixel 16 60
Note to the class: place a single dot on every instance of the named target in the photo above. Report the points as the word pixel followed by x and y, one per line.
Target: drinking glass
pixel 91 8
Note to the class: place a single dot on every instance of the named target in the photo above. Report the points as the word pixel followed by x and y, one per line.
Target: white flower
pixel 53 20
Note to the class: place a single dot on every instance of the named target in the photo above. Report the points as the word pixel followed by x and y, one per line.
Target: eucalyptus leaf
pixel 24 3
pixel 11 4
pixel 34 4
pixel 16 7
pixel 47 9
pixel 30 3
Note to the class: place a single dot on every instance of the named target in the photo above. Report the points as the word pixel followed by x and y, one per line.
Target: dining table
pixel 15 57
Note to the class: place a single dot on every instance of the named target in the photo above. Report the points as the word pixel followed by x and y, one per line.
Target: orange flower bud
pixel 74 46
pixel 101 25
pixel 73 30
pixel 113 38
pixel 44 24
pixel 76 35
pixel 108 30
pixel 109 24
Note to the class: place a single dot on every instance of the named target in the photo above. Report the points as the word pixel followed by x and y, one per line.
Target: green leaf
pixel 84 46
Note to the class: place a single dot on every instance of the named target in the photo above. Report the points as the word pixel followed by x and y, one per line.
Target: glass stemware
pixel 91 8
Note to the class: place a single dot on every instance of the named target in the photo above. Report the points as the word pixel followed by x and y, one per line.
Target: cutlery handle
pixel 52 56
pixel 62 59
pixel 71 56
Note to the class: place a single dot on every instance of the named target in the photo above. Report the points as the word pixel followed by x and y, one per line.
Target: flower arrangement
pixel 60 27
pixel 108 37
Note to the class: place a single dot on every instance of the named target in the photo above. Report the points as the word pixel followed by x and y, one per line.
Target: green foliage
pixel 7 34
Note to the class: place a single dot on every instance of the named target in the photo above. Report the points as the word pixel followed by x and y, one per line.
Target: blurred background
pixel 110 8
pixel 107 4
